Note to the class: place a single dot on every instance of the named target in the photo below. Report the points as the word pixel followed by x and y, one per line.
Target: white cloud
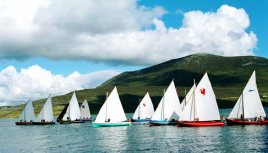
pixel 37 82
pixel 120 32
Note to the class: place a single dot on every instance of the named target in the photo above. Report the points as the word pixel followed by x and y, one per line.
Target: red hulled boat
pixel 248 109
pixel 200 124
pixel 240 122
pixel 200 107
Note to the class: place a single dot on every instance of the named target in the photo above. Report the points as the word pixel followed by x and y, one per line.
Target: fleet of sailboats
pixel 144 111
pixel 198 108
pixel 248 108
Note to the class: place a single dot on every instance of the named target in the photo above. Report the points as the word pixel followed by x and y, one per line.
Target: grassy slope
pixel 228 76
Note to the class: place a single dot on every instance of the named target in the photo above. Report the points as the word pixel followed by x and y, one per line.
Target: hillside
pixel 223 71
pixel 228 76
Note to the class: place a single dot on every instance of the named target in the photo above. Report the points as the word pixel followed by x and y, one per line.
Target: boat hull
pixel 161 123
pixel 70 122
pixel 239 122
pixel 140 120
pixel 24 123
pixel 200 124
pixel 86 120
pixel 43 123
pixel 96 125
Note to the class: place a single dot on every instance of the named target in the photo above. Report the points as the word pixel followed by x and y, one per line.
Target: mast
pixel 185 97
pixel 243 111
pixel 106 106
pixel 139 114
pixel 193 103
pixel 25 109
pixel 163 113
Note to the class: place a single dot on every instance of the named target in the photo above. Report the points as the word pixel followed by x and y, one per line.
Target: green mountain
pixel 228 76
pixel 223 72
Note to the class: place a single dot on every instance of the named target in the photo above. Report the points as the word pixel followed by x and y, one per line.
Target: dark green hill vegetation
pixel 223 71
pixel 228 76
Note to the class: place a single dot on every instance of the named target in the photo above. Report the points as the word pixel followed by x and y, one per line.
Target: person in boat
pixel 261 119
pixel 242 117
pixel 20 120
pixel 68 119
pixel 222 118
pixel 31 120
pixel 138 118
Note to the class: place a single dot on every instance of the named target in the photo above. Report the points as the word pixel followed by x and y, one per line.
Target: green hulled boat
pixel 96 125
pixel 111 113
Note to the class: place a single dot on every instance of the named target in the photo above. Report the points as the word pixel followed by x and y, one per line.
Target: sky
pixel 55 46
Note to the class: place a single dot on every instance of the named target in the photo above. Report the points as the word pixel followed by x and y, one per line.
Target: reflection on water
pixel 138 138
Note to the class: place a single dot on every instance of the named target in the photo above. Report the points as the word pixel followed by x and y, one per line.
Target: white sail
pixel 111 110
pixel 250 101
pixel 46 112
pixel 169 107
pixel 189 111
pixel 28 112
pixel 85 112
pixel 66 116
pixel 145 110
pixel 187 97
pixel 73 110
pixel 203 105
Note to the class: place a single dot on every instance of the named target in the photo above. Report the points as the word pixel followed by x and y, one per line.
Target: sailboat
pixel 144 111
pixel 187 96
pixel 72 114
pixel 111 112
pixel 46 114
pixel 85 112
pixel 27 116
pixel 169 108
pixel 201 108
pixel 248 109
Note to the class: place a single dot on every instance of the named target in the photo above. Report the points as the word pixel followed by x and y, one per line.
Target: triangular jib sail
pixel 112 110
pixel 46 113
pixel 188 96
pixel 202 105
pixel 27 114
pixel 249 103
pixel 73 111
pixel 85 111
pixel 169 107
pixel 145 110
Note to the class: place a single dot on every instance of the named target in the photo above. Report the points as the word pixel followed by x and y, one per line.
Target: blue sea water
pixel 137 138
